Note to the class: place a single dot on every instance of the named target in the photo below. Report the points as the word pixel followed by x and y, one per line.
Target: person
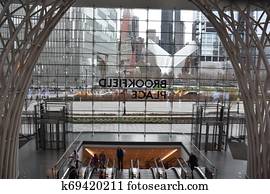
pixel 73 173
pixel 74 159
pixel 192 162
pixel 94 161
pixel 102 159
pixel 120 158
pixel 75 155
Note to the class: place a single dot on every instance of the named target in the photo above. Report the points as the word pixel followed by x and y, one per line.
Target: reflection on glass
pixel 91 44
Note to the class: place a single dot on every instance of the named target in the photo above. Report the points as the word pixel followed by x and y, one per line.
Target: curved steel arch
pixel 245 39
pixel 22 43
pixel 26 38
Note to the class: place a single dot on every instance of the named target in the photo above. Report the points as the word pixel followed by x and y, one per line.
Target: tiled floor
pixel 36 164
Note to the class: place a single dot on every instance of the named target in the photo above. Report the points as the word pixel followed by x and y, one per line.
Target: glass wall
pixel 133 70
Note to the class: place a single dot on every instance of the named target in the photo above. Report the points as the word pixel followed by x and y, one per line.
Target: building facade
pixel 82 46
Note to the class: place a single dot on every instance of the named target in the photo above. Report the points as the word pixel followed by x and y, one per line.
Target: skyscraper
pixel 172 31
pixel 68 57
pixel 166 41
pixel 178 31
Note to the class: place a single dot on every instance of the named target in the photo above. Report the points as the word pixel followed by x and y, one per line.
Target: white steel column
pixel 24 28
pixel 245 38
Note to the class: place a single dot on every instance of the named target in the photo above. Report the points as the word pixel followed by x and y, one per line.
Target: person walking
pixel 120 158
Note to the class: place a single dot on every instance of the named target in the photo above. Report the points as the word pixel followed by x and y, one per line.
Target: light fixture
pixel 89 152
pixel 169 154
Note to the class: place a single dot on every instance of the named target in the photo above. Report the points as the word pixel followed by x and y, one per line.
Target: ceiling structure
pixel 151 4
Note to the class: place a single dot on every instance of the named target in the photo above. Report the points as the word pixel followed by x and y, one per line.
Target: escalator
pixel 185 171
pixel 198 173
pixel 146 174
pixel 159 169
pixel 173 173
pixel 129 173
pixel 123 174
pixel 103 173
pixel 95 174
pixel 71 172
pixel 135 169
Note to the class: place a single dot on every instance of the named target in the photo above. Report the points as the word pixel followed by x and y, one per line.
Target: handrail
pixel 106 167
pixel 200 172
pixel 138 164
pixel 131 164
pixel 153 173
pixel 201 156
pixel 65 174
pixel 182 160
pixel 113 170
pixel 178 175
pixel 134 168
pixel 68 149
pixel 91 173
pixel 87 168
pixel 157 169
pixel 183 169
pixel 156 164
pixel 60 163
pixel 164 174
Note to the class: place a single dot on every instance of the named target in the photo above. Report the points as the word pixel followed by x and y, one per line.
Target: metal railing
pixel 62 165
pixel 160 169
pixel 184 172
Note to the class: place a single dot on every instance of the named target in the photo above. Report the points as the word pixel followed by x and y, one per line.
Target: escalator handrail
pixel 113 175
pixel 91 173
pixel 132 168
pixel 187 165
pixel 106 166
pixel 181 159
pixel 138 167
pixel 200 172
pixel 153 172
pixel 65 174
pixel 131 164
pixel 163 173
pixel 156 163
pixel 176 172
pixel 157 168
pixel 183 168
pixel 88 166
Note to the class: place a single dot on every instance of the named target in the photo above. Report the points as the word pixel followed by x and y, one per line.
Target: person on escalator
pixel 192 162
pixel 73 173
pixel 94 161
pixel 120 158
pixel 74 159
pixel 102 159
